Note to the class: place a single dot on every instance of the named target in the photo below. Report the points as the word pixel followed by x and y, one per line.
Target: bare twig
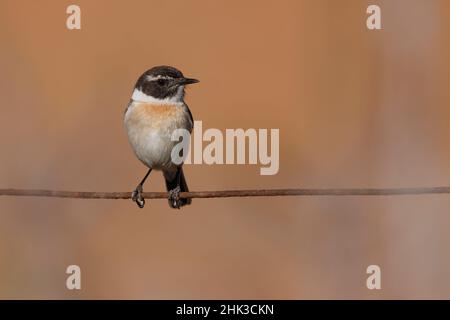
pixel 229 193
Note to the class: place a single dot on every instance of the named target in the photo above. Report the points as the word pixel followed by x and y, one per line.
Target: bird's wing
pixel 128 105
pixel 190 116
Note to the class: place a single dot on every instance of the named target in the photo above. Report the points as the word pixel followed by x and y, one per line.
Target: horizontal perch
pixel 229 193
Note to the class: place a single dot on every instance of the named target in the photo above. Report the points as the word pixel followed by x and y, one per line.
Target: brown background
pixel 355 108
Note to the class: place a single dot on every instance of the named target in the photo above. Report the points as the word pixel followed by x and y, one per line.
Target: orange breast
pixel 157 116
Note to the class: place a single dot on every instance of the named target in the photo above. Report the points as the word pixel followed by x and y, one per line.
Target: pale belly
pixel 150 127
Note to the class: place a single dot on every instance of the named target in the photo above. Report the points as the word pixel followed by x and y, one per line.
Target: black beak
pixel 185 81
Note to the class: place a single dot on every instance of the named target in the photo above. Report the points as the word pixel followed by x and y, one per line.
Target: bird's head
pixel 163 83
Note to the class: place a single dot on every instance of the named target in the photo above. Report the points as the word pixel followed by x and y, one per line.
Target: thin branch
pixel 229 193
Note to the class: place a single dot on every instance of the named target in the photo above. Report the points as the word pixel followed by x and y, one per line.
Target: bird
pixel 155 110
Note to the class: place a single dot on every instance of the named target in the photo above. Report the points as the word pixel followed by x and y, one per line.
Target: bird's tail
pixel 172 184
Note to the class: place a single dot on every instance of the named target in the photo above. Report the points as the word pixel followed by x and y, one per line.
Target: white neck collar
pixel 139 96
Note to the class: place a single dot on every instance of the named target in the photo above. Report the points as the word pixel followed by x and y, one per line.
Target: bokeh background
pixel 355 108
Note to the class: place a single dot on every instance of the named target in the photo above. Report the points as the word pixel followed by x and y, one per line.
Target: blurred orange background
pixel 355 108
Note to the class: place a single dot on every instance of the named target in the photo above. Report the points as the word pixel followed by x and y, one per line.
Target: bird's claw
pixel 174 197
pixel 137 197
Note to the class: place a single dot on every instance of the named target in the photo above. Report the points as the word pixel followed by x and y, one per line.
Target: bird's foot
pixel 174 198
pixel 137 197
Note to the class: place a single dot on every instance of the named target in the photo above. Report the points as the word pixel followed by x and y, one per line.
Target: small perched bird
pixel 156 109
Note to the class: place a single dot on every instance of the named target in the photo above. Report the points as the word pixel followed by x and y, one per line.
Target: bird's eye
pixel 161 82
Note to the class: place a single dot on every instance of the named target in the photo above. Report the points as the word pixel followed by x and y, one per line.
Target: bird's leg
pixel 174 197
pixel 174 194
pixel 136 195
